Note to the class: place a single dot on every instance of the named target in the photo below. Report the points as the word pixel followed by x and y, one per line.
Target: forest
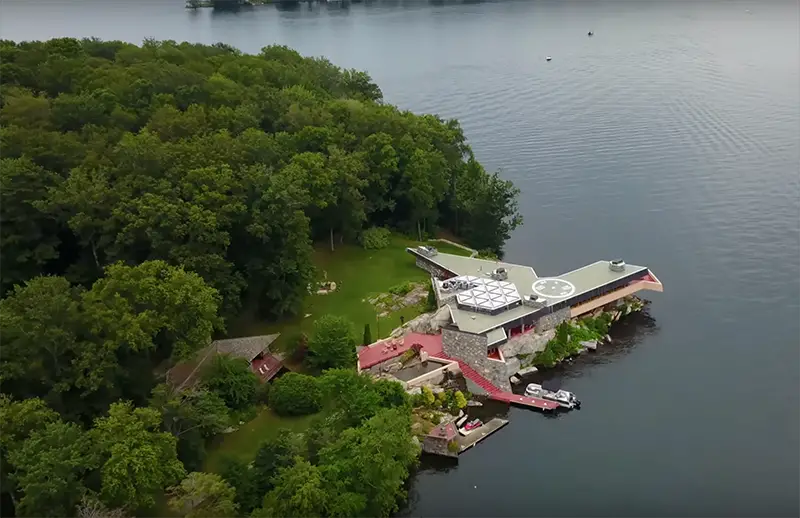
pixel 149 194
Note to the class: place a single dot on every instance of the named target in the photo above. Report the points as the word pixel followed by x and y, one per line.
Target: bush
pixel 375 238
pixel 401 289
pixel 459 399
pixel 452 446
pixel 427 397
pixel 295 394
pixel 262 393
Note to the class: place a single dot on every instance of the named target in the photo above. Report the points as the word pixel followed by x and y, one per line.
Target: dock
pixel 530 402
pixel 464 443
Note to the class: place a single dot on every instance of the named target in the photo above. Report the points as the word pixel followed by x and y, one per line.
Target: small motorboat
pixel 548 58
pixel 462 420
pixel 470 427
pixel 591 33
pixel 564 398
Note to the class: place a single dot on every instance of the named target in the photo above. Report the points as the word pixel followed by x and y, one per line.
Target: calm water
pixel 670 139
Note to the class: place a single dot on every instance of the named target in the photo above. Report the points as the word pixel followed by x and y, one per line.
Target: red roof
pixel 444 431
pixel 266 367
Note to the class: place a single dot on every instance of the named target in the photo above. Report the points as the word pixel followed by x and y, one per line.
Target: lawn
pixel 358 274
pixel 244 442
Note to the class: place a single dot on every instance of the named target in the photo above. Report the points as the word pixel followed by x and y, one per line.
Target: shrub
pixel 375 238
pixel 402 288
pixel 406 356
pixel 295 394
pixel 262 393
pixel 459 399
pixel 427 396
pixel 452 446
pixel 488 255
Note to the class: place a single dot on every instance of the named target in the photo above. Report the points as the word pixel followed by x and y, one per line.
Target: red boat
pixel 473 425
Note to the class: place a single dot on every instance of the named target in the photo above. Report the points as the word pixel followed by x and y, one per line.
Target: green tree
pixel 367 335
pixel 300 490
pixel 138 460
pixel 232 380
pixel 241 477
pixel 272 455
pixel 49 468
pixel 295 394
pixel 431 303
pixel 18 420
pixel 373 461
pixel 192 416
pixel 332 344
pixel 203 495
pixel 29 240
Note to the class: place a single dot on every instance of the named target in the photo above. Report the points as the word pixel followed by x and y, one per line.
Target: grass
pixel 359 274
pixel 244 442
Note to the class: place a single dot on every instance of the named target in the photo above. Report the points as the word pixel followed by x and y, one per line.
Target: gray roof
pixel 247 347
pixel 553 289
pixel 184 374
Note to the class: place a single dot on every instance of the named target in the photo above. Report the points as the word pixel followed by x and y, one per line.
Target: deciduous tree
pixel 332 345
pixel 137 459
pixel 203 495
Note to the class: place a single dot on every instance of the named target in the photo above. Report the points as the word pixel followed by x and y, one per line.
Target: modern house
pixel 492 301
pixel 254 349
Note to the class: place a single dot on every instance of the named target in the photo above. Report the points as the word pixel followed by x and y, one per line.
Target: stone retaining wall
pixel 432 269
pixel 437 446
pixel 473 350
pixel 550 321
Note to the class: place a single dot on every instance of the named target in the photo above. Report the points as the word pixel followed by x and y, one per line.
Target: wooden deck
pixel 479 434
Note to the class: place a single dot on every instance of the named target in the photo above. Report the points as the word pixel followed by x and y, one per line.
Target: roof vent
pixel 427 251
pixel 499 274
pixel 617 265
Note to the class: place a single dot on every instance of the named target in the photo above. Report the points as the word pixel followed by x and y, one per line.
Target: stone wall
pixel 550 321
pixel 473 349
pixel 432 269
pixel 464 346
pixel 437 446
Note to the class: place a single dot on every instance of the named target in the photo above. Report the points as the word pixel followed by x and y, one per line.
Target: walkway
pixel 498 394
pixel 432 344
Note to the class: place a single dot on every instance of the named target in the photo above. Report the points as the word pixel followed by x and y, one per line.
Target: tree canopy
pixel 224 163
pixel 149 194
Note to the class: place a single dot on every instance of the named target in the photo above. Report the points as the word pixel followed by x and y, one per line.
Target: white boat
pixel 564 398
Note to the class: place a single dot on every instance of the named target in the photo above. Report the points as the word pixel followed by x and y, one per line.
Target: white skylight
pixel 487 294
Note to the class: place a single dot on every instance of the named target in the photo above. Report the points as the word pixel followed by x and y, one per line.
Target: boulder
pixel 436 390
pixel 394 367
pixel 514 379
pixel 527 370
pixel 608 339
pixel 415 391
pixel 589 344
pixel 472 402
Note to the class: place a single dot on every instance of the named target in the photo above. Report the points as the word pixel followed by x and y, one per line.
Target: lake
pixel 670 139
